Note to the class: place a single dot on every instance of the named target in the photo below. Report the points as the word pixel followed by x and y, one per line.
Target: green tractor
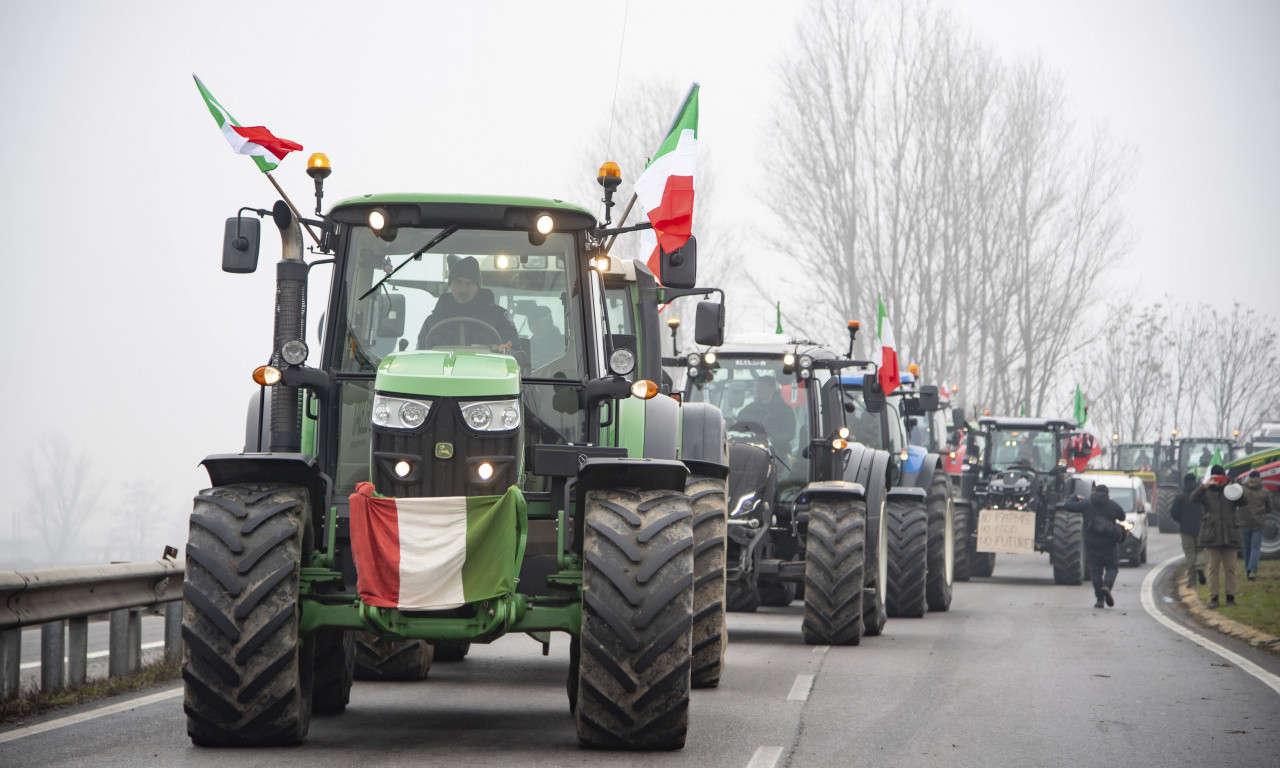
pixel 1176 458
pixel 455 475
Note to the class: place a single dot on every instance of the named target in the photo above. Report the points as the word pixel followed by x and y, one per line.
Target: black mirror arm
pixel 304 377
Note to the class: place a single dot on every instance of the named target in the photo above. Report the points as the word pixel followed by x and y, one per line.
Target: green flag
pixel 779 329
pixel 1217 459
pixel 1082 410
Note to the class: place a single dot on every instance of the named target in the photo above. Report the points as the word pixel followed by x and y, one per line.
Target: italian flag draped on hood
pixel 665 189
pixel 266 149
pixel 436 552
pixel 886 355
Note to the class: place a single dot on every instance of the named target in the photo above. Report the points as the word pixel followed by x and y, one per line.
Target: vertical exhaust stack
pixel 290 322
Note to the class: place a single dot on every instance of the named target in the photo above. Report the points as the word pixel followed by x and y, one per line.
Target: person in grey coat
pixel 1219 533
pixel 1255 505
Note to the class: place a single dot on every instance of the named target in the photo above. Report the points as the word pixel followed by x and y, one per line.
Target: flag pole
pixel 289 203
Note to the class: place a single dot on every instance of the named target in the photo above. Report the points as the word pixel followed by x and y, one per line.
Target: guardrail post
pixel 53 649
pixel 10 663
pixel 77 650
pixel 173 631
pixel 118 643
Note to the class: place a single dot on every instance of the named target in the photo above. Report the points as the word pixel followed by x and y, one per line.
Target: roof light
pixel 673 322
pixel 318 165
pixel 913 369
pixel 609 170
pixel 544 224
pixel 600 263
pixel 788 359
pixel 709 358
pixel 844 431
pixel 503 262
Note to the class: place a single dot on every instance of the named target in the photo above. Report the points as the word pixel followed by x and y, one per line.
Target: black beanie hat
pixel 1217 469
pixel 1189 476
pixel 468 268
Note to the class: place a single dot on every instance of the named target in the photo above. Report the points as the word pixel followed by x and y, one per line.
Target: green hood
pixel 439 373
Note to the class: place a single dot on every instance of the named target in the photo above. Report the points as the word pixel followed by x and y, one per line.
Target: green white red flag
pixel 266 149
pixel 665 188
pixel 423 554
pixel 887 354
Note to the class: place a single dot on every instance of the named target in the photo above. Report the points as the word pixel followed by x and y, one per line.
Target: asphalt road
pixel 1020 672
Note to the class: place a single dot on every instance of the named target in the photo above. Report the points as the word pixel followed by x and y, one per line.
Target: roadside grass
pixel 40 702
pixel 1257 602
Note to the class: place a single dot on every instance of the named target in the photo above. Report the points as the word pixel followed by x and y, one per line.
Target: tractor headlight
pixel 294 352
pixel 805 361
pixel 744 505
pixel 693 359
pixel 492 415
pixel 399 412
pixel 622 362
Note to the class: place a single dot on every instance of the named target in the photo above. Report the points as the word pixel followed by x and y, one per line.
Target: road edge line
pixel 50 725
pixel 1149 605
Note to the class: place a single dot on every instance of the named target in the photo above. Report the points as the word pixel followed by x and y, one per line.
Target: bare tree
pixel 1131 388
pixel 62 493
pixel 1240 369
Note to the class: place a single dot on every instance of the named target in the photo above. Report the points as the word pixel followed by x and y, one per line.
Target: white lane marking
pixel 32 730
pixel 820 649
pixel 800 689
pixel 97 654
pixel 765 757
pixel 1149 603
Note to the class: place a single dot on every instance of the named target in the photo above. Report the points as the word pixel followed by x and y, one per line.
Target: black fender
pixel 661 428
pixel 924 477
pixel 835 489
pixel 646 474
pixel 906 492
pixel 702 440
pixel 869 467
pixel 291 468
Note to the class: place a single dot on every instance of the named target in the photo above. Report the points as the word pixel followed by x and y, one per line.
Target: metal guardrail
pixel 61 600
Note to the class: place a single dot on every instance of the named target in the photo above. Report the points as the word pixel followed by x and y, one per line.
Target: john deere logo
pixel 444 450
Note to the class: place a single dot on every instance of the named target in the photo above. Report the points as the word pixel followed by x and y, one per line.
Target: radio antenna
pixel 617 75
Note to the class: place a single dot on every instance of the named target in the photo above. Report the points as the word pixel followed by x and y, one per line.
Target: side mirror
pixel 929 398
pixel 240 239
pixel 390 309
pixel 872 393
pixel 708 324
pixel 679 269
pixel 957 417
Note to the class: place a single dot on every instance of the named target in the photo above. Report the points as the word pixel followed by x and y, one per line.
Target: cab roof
pixel 1019 422
pixel 427 210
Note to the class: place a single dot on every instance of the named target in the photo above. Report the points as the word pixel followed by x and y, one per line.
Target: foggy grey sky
pixel 128 339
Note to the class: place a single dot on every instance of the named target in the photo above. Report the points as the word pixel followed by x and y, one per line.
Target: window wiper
pixel 432 243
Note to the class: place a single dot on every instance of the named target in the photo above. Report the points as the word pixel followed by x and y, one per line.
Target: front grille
pixel 443 477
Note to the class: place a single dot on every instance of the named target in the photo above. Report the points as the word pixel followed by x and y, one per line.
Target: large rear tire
pixel 335 668
pixel 942 552
pixel 637 619
pixel 874 613
pixel 1271 531
pixel 835 556
pixel 961 511
pixel 908 558
pixel 1164 506
pixel 707 495
pixel 1067 554
pixel 247 675
pixel 380 659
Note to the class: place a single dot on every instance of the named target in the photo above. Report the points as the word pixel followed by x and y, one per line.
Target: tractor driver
pixel 769 411
pixel 466 301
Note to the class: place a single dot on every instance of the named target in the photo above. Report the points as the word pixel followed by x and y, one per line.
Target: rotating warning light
pixel 318 165
pixel 913 369
pixel 673 322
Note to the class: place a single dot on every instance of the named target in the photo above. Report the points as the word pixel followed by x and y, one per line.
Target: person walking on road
pixel 1188 514
pixel 1255 505
pixel 1100 517
pixel 1219 534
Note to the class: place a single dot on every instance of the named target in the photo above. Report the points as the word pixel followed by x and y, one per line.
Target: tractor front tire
pixel 708 497
pixel 908 558
pixel 334 669
pixel 1164 506
pixel 637 617
pixel 834 578
pixel 962 512
pixel 941 546
pixel 1068 547
pixel 247 674
pixel 742 595
pixel 381 659
pixel 874 613
pixel 451 650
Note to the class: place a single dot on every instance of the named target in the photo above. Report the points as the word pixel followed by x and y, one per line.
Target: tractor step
pixel 784 570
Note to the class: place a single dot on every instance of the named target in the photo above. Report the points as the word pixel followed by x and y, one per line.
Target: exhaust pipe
pixel 290 323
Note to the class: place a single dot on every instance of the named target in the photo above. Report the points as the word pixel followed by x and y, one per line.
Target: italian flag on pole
pixel 665 188
pixel 266 149
pixel 887 355
pixel 435 553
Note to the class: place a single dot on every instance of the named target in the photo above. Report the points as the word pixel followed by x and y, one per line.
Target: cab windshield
pixel 1198 455
pixel 1022 449
pixel 756 396
pixel 476 289
pixel 1134 457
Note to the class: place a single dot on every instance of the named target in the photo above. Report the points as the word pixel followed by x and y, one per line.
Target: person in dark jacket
pixel 1255 505
pixel 1219 534
pixel 1188 514
pixel 466 302
pixel 1099 547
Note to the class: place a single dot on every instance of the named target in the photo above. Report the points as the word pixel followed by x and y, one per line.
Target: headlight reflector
pixel 492 415
pixel 399 412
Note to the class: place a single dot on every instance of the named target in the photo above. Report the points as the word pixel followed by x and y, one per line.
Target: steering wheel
pixel 462 333
pixel 754 427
